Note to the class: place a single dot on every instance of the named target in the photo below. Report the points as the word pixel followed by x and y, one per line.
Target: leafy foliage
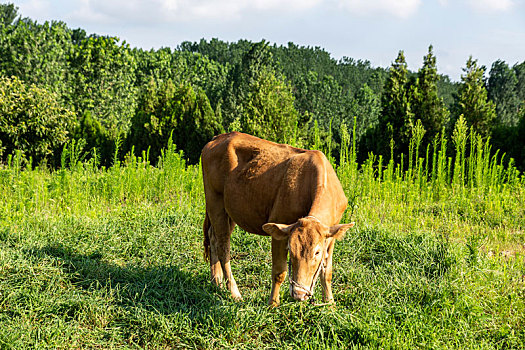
pixel 502 90
pixel 286 93
pixel 8 14
pixel 94 137
pixel 397 118
pixel 269 110
pixel 103 77
pixel 178 111
pixel 37 54
pixel 31 120
pixel 473 102
pixel 258 100
pixel 426 105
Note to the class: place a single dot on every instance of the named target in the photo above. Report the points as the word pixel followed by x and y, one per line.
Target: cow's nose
pixel 299 295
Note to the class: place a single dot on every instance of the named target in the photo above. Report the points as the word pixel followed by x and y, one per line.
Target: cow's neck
pixel 313 217
pixel 320 211
pixel 320 216
pixel 322 199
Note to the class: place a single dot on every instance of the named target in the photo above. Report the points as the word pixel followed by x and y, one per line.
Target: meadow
pixel 111 257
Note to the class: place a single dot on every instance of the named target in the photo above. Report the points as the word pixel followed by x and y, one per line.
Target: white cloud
pixel 115 11
pixel 34 8
pixel 168 10
pixel 398 8
pixel 491 5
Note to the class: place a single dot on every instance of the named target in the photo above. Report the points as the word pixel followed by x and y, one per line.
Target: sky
pixel 373 30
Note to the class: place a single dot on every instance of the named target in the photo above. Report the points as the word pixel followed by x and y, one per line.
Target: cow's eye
pixel 317 252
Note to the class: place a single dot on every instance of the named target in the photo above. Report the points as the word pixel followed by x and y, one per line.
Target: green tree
pixel 269 109
pixel 180 111
pixel 447 90
pixel 8 14
pixel 326 103
pixel 104 77
pixel 519 150
pixel 220 51
pixel 162 64
pixel 519 70
pixel 96 137
pixel 32 120
pixel 37 54
pixel 505 87
pixel 204 74
pixel 179 67
pixel 473 104
pixel 367 111
pixel 426 105
pixel 258 100
pixel 397 117
pixel 502 90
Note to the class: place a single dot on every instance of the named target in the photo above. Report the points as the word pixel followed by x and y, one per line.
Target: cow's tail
pixel 206 241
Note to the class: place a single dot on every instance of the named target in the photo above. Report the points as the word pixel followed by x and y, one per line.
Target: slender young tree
pixel 473 103
pixel 260 101
pixel 397 118
pixel 427 105
pixel 502 90
pixel 519 70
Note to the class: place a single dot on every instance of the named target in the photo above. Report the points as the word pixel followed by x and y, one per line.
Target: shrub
pixel 31 120
pixel 182 112
pixel 95 136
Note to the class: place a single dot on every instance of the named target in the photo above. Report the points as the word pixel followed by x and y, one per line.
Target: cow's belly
pixel 251 208
pixel 247 208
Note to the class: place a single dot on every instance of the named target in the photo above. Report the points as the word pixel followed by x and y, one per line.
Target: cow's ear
pixel 278 231
pixel 338 231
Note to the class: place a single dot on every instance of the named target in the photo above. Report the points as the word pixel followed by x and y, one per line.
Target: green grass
pixel 112 258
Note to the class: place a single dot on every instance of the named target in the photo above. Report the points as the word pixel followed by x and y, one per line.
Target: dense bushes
pixel 117 98
pixel 181 112
pixel 32 120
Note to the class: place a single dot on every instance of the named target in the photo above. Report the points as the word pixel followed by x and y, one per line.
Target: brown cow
pixel 273 190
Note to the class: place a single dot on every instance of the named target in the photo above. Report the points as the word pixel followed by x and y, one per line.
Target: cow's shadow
pixel 163 289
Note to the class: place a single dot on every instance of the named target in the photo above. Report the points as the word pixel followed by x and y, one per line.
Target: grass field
pixel 112 258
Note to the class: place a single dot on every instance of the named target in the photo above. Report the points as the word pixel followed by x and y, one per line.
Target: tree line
pixel 60 86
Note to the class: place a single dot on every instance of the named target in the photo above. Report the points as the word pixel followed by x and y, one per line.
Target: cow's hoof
pixel 330 304
pixel 273 304
pixel 216 281
pixel 237 297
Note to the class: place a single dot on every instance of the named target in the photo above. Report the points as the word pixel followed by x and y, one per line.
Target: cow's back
pixel 230 153
pixel 261 181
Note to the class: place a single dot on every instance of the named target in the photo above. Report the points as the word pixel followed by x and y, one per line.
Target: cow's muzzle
pixel 299 291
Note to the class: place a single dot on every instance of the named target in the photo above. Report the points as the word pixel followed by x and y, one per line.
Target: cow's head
pixel 310 244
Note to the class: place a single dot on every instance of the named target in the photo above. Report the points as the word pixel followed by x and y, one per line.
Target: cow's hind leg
pixel 211 256
pixel 220 232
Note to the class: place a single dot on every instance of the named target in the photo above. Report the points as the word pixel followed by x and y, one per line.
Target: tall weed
pixel 111 257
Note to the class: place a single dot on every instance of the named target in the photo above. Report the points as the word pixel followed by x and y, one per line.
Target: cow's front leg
pixel 279 255
pixel 230 281
pixel 326 275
